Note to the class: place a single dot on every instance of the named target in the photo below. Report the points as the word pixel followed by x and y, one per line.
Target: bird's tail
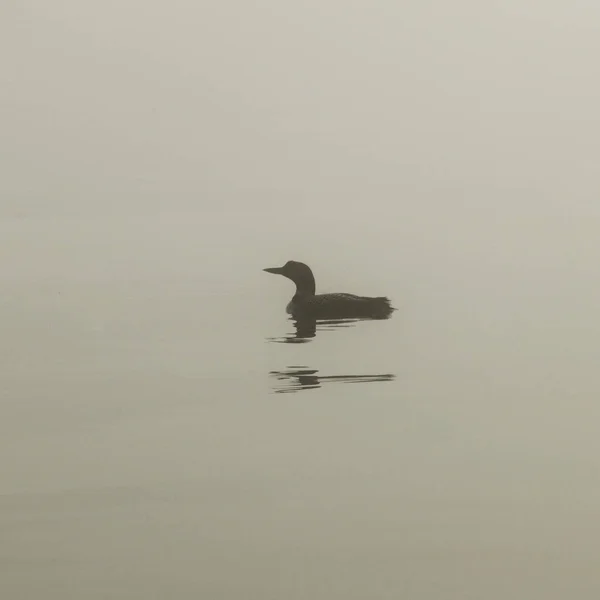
pixel 382 307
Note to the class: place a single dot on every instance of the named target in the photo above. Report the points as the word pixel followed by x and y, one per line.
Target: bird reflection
pixel 306 329
pixel 297 379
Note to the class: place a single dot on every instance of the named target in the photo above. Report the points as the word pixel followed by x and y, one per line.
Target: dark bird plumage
pixel 307 304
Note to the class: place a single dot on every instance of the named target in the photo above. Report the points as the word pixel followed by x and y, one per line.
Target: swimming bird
pixel 306 304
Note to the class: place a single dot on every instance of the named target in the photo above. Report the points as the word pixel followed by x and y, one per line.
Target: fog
pixel 156 156
pixel 453 108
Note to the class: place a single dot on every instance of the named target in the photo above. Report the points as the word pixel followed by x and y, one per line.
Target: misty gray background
pixel 156 156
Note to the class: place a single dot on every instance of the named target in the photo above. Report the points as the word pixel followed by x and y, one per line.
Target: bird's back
pixel 339 306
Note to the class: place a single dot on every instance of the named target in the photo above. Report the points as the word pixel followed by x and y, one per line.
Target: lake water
pixel 161 436
pixel 164 430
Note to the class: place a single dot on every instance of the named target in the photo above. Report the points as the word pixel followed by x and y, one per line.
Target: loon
pixel 307 304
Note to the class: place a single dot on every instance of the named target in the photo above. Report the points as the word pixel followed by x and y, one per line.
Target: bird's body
pixel 338 306
pixel 307 304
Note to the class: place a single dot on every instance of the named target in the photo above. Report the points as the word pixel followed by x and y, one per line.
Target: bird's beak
pixel 276 270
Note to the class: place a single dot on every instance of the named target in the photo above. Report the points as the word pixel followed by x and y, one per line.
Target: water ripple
pixel 299 378
pixel 306 329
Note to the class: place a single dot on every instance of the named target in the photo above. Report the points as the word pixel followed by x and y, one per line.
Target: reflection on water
pixel 306 329
pixel 298 378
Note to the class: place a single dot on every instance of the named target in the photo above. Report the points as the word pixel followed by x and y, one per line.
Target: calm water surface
pixel 167 431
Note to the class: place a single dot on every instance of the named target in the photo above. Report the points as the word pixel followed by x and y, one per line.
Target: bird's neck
pixel 305 286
